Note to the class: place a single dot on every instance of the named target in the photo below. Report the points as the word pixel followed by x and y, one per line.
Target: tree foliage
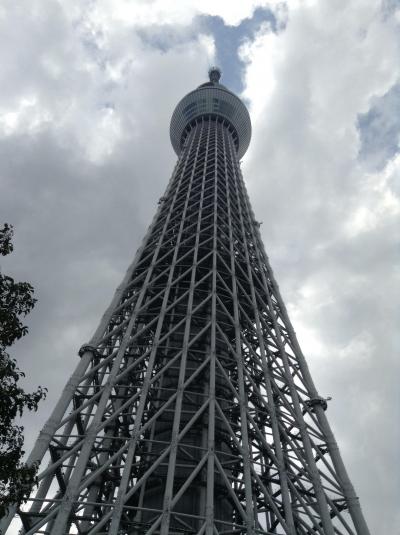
pixel 16 301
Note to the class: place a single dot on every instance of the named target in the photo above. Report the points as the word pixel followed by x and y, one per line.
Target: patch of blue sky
pixel 379 130
pixel 389 7
pixel 227 39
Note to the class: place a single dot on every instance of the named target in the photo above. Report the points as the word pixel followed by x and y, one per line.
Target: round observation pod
pixel 214 101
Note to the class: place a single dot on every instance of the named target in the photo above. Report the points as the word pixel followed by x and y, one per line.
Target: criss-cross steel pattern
pixel 192 409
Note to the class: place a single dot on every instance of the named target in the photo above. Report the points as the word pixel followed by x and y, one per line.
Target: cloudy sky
pixel 87 88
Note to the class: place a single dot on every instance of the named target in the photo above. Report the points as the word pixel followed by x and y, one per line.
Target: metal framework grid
pixel 192 410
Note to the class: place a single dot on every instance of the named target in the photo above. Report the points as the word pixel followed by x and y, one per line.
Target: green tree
pixel 16 301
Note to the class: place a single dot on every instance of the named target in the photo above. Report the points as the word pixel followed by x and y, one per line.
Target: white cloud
pixel 377 203
pixel 144 13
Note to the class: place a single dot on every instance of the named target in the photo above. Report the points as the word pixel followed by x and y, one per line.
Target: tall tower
pixel 192 410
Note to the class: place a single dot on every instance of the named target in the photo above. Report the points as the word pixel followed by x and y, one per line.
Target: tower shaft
pixel 192 409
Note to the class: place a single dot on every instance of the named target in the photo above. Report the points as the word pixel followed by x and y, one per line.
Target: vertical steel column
pixel 243 404
pixel 133 442
pixel 275 428
pixel 182 370
pixel 211 391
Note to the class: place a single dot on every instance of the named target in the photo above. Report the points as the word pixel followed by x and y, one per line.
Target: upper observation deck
pixel 214 100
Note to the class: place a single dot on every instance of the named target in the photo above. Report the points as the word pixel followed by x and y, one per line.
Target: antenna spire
pixel 215 74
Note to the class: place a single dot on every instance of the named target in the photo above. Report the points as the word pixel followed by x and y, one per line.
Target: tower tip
pixel 215 74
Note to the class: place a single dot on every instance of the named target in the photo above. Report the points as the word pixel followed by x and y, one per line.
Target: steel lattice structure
pixel 192 409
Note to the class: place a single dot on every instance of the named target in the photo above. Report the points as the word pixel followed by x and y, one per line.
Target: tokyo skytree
pixel 192 409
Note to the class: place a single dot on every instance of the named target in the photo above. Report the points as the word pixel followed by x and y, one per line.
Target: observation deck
pixel 211 100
